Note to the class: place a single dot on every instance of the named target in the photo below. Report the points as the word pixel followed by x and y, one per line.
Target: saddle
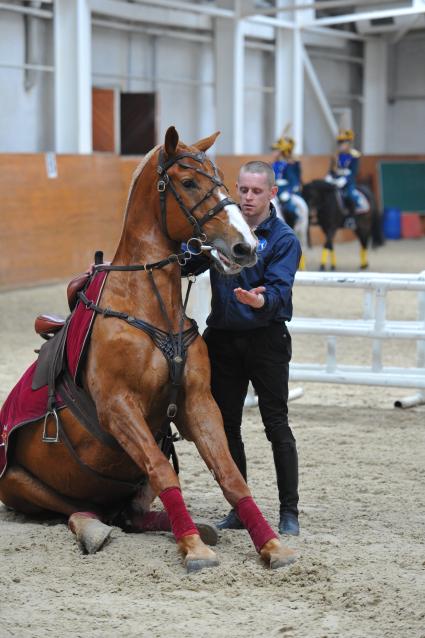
pixel 47 325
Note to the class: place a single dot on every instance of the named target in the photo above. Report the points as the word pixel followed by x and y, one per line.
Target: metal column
pixel 72 50
pixel 375 96
pixel 230 71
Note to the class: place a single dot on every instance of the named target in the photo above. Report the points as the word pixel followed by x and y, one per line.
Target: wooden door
pixel 103 114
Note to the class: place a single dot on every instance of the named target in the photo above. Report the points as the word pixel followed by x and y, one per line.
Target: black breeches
pixel 261 356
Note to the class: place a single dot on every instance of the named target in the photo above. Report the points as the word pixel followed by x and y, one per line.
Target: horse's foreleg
pixel 141 519
pixel 127 424
pixel 204 425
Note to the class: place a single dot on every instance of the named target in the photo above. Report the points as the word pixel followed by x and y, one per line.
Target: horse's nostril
pixel 242 249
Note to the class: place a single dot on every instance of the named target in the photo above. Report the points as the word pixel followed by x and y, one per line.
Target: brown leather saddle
pixel 47 325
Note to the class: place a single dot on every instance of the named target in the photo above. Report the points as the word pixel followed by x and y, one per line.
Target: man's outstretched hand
pixel 253 297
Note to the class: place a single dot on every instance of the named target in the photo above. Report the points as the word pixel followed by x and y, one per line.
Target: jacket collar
pixel 266 225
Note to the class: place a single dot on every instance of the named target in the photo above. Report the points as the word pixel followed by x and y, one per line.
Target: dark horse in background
pixel 326 205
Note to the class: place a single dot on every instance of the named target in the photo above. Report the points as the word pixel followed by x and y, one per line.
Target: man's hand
pixel 253 297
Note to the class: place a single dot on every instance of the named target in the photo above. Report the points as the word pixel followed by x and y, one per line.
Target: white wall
pixel 178 71
pixel 182 73
pixel 26 116
pixel 406 114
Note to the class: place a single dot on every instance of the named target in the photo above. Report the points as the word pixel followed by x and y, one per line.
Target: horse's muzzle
pixel 244 254
pixel 230 261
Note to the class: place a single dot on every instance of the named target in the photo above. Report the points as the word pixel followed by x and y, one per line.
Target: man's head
pixel 344 147
pixel 256 188
pixel 344 140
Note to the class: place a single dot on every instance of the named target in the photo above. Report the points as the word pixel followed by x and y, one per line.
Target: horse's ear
pixel 171 141
pixel 206 142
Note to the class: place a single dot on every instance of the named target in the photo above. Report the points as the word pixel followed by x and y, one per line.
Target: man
pixel 343 172
pixel 247 338
pixel 287 170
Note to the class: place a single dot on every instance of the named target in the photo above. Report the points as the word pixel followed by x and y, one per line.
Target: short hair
pixel 257 166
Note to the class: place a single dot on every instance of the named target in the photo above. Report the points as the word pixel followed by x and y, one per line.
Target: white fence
pixel 374 326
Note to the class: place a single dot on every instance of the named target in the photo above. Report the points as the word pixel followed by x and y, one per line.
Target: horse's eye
pixel 189 183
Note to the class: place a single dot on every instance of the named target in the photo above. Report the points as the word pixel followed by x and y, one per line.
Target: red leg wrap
pixel 180 519
pixel 152 522
pixel 253 520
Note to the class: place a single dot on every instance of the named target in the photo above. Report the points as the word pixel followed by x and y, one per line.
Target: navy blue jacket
pixel 278 253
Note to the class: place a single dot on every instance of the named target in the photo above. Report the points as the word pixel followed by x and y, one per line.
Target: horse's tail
pixel 377 234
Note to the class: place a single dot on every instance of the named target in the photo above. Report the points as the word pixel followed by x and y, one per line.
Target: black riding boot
pixel 350 218
pixel 286 463
pixel 237 450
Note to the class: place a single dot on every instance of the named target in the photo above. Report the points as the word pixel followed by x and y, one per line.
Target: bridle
pixel 165 184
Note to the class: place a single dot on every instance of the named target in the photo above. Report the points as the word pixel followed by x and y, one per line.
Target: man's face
pixel 255 194
pixel 344 147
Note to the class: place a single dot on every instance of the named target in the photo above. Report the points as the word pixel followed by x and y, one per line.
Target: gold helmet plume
pixel 285 144
pixel 345 135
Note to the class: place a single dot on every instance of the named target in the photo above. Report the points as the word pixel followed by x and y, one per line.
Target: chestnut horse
pixel 176 194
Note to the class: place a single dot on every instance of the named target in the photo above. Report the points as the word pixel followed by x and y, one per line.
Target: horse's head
pixel 195 206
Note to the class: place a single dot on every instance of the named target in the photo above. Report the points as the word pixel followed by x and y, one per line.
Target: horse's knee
pixel 161 475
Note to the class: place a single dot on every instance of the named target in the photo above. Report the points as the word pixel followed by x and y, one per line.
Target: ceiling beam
pixel 368 15
pixel 321 4
pixel 151 13
pixel 188 6
pixel 30 11
pixel 335 33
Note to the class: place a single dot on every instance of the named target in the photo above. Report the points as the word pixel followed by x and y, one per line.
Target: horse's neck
pixel 143 242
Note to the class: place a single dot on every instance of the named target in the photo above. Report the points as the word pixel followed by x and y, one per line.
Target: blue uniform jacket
pixel 279 253
pixel 288 172
pixel 348 166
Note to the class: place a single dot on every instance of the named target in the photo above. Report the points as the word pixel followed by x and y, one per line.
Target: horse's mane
pixel 139 170
pixel 320 185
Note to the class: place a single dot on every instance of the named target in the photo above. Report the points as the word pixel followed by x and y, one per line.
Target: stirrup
pixel 46 438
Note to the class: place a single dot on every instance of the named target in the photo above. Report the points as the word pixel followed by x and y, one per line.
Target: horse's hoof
pixel 333 268
pixel 207 531
pixel 95 537
pixel 91 533
pixel 196 564
pixel 277 555
pixel 365 267
pixel 283 559
pixel 322 268
pixel 196 554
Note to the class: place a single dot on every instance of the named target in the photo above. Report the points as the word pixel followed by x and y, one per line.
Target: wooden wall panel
pixel 50 228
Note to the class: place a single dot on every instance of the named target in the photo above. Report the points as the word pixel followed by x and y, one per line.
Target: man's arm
pixel 278 279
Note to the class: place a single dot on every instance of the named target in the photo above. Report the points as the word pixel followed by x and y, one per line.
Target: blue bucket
pixel 392 223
